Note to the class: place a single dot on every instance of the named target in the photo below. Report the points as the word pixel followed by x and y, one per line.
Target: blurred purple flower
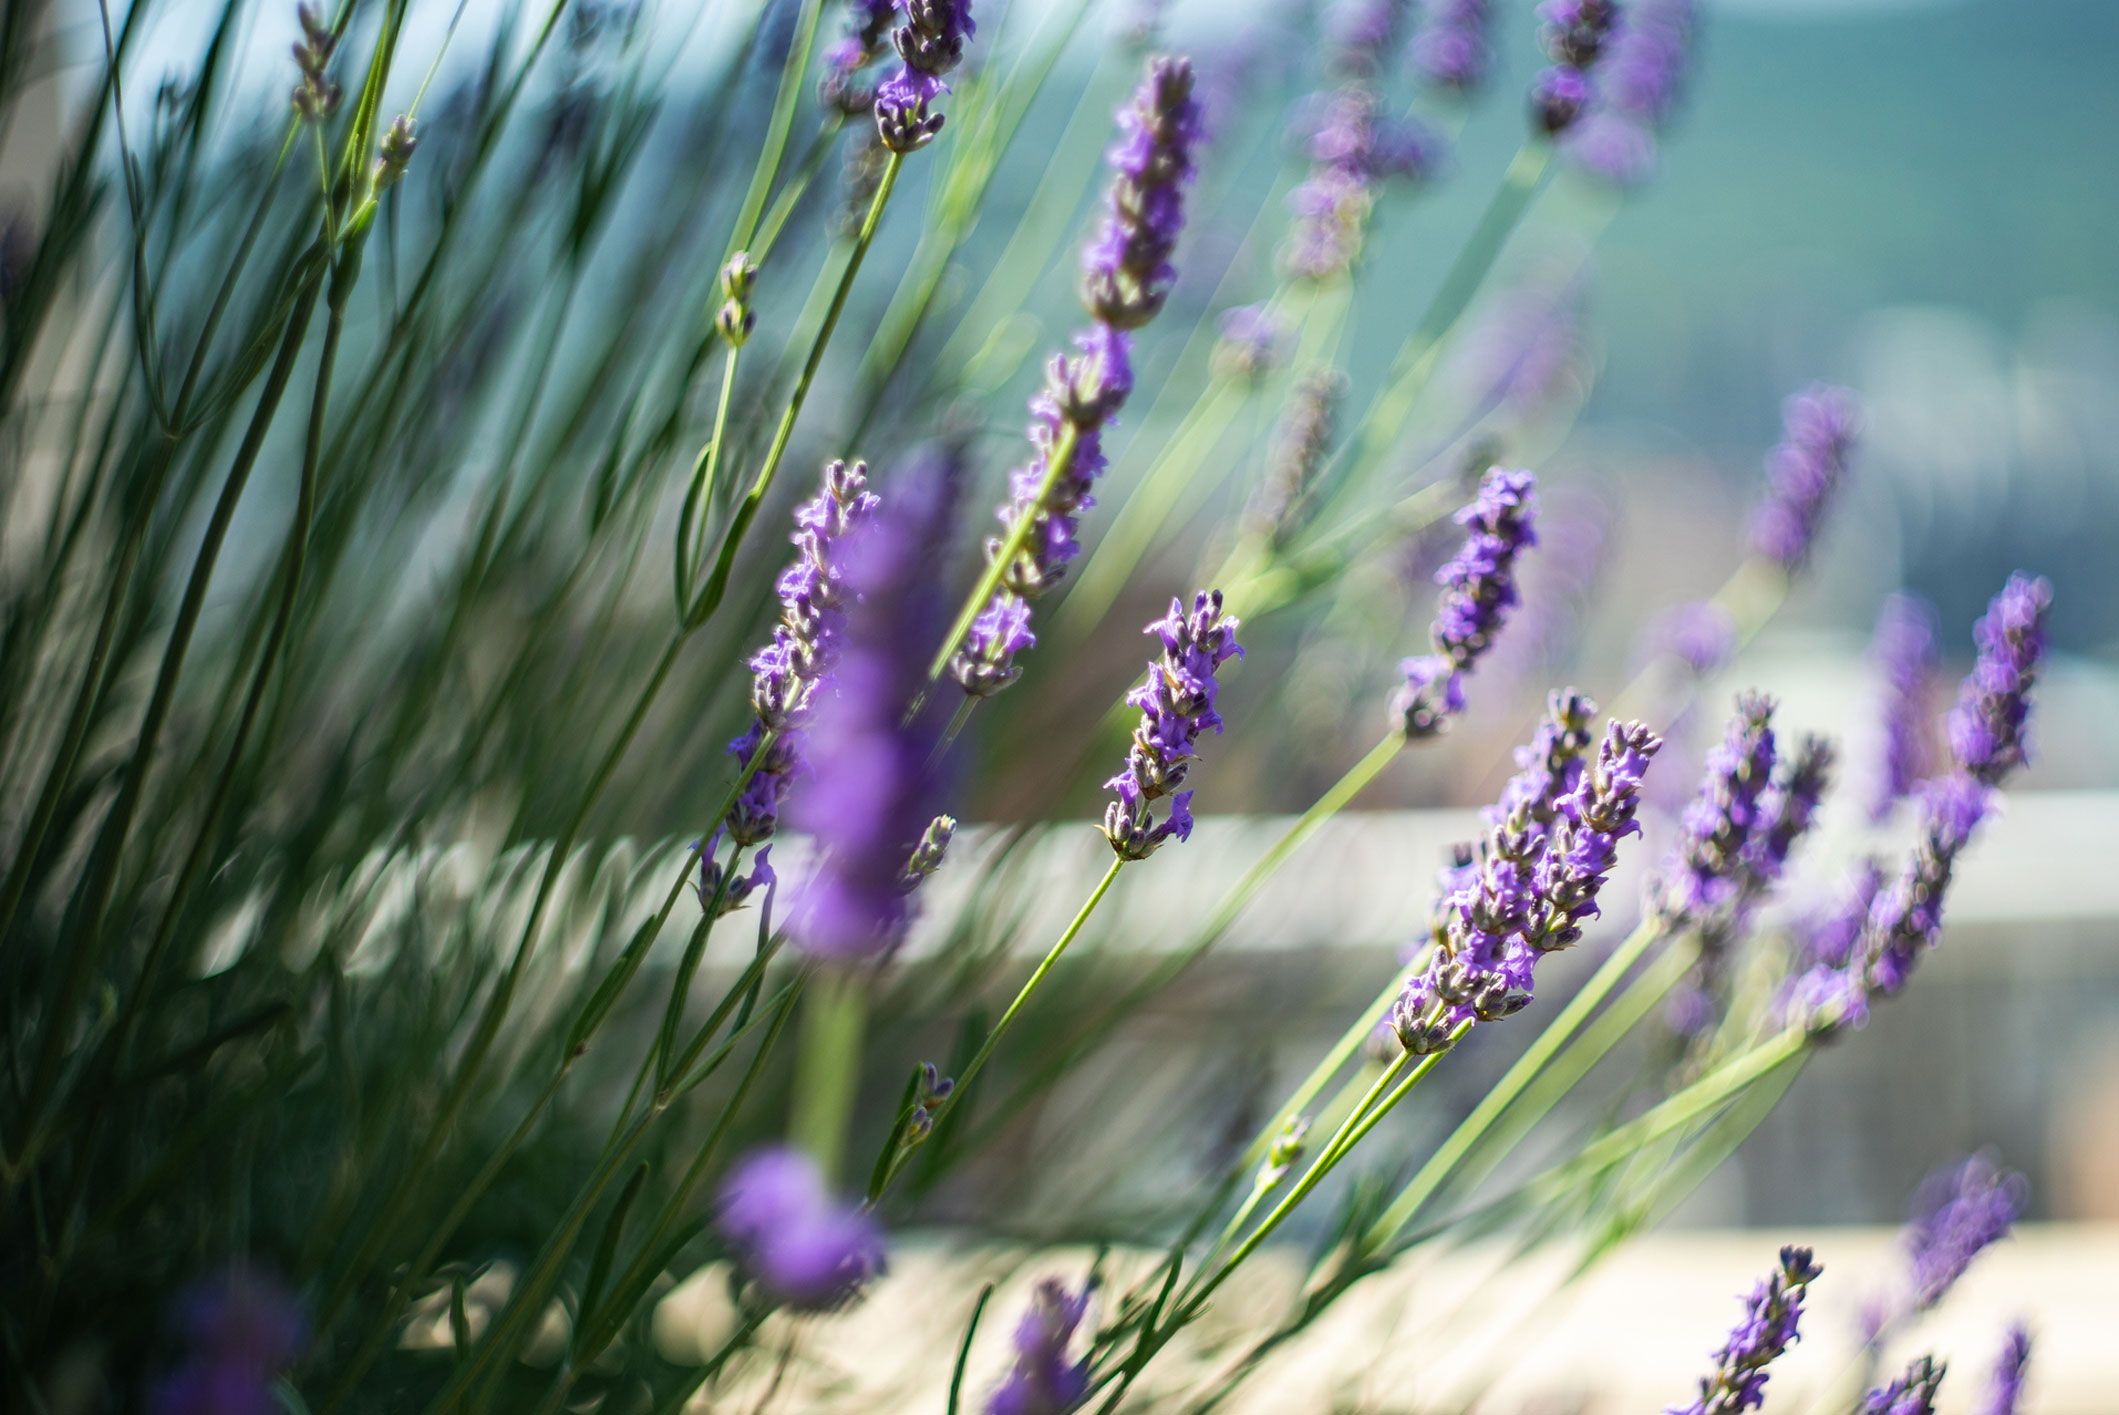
pixel 1911 1394
pixel 804 1249
pixel 1044 1379
pixel 241 1332
pixel 2004 1392
pixel 1818 428
pixel 874 789
pixel 1903 651
pixel 1960 1211
pixel 1453 47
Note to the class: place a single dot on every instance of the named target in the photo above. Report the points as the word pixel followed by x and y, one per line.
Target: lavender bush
pixel 431 927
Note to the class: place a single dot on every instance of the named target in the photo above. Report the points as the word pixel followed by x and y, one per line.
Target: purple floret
pixel 1478 590
pixel 803 1248
pixel 1045 1380
pixel 1176 703
pixel 1818 428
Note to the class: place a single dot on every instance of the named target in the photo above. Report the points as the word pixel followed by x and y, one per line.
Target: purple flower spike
pixel 803 1248
pixel 1253 343
pixel 1126 272
pixel 1176 704
pixel 1126 277
pixel 789 672
pixel 2004 1391
pixel 1478 590
pixel 1904 653
pixel 1772 1314
pixel 1726 817
pixel 1453 48
pixel 1044 1379
pixel 930 43
pixel 241 1333
pixel 1987 725
pixel 1594 818
pixel 1911 1394
pixel 1818 428
pixel 1639 84
pixel 867 36
pixel 1364 32
pixel 874 790
pixel 1961 1210
pixel 1352 146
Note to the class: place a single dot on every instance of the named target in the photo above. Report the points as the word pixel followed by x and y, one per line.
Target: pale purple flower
pixel 1903 651
pixel 804 1248
pixel 1364 33
pixel 1994 705
pixel 1698 635
pixel 1911 1394
pixel 930 43
pixel 1045 1379
pixel 240 1333
pixel 1254 341
pixel 1352 146
pixel 1639 84
pixel 1300 445
pixel 1453 47
pixel 874 790
pixel 868 25
pixel 1594 817
pixel 1803 472
pixel 1176 704
pixel 1706 869
pixel 2004 1392
pixel 1478 591
pixel 1772 1314
pixel 1960 1211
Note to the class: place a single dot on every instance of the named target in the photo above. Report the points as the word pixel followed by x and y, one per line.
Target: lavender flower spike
pixel 1126 277
pixel 1176 704
pixel 1987 734
pixel 1904 652
pixel 1574 33
pixel 803 1248
pixel 1452 48
pixel 1771 1315
pixel 1594 818
pixel 1960 1212
pixel 1987 725
pixel 1478 590
pixel 787 672
pixel 1044 1381
pixel 1818 428
pixel 2004 1391
pixel 1911 1394
pixel 874 792
pixel 1725 818
pixel 1126 272
pixel 930 43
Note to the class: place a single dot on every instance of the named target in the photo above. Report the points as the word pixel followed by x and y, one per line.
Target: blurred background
pixel 1914 198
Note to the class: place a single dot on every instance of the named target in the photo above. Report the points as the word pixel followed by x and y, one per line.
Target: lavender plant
pixel 372 1038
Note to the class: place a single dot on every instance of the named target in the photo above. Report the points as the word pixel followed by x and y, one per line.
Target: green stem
pixel 828 1068
pixel 985 1051
pixel 709 598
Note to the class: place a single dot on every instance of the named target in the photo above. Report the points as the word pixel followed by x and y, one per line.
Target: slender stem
pixel 1505 1092
pixel 709 598
pixel 828 1068
pixel 706 471
pixel 1037 976
pixel 1056 465
pixel 793 82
